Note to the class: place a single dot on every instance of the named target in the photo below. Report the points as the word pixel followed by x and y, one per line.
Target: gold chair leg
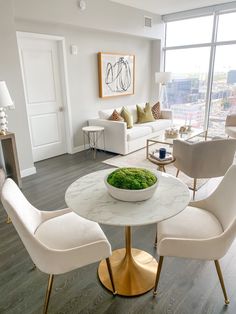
pixel 155 243
pixel 177 173
pixel 194 187
pixel 217 264
pixel 158 275
pixel 111 275
pixel 48 293
pixel 8 221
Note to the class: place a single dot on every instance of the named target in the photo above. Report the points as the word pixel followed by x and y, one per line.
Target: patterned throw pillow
pixel 115 116
pixel 127 117
pixel 156 111
pixel 145 114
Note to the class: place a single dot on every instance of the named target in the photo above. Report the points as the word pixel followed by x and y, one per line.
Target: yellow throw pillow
pixel 145 114
pixel 126 115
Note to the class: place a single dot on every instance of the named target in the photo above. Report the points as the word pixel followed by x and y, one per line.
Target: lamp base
pixel 3 132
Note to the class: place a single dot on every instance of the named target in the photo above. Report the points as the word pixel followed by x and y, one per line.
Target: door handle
pixel 61 109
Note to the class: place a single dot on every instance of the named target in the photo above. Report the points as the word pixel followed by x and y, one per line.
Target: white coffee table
pixel 134 270
pixel 93 134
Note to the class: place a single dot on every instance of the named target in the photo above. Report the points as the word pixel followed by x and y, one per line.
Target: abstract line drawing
pixel 116 74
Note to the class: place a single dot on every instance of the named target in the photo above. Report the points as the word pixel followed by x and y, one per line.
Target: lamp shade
pixel 5 98
pixel 162 77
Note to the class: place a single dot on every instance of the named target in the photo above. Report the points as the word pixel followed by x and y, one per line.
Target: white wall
pixel 103 26
pixel 83 71
pixel 99 14
pixel 10 72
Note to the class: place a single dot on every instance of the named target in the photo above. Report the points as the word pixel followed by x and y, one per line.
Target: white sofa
pixel 120 140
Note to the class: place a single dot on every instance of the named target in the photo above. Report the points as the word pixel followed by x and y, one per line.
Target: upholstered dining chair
pixel 58 241
pixel 205 159
pixel 204 230
pixel 230 125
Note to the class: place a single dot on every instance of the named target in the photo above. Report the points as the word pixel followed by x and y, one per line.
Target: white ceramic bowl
pixel 131 195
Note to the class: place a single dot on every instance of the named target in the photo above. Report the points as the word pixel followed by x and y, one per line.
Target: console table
pixel 10 157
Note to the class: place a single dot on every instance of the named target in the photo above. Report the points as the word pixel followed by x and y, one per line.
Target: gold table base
pixel 134 271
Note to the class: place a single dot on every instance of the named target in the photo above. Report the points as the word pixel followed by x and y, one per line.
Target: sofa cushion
pixel 157 125
pixel 138 131
pixel 126 115
pixel 156 111
pixel 115 116
pixel 145 114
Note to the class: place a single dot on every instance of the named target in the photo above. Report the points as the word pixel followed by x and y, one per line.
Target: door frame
pixel 63 80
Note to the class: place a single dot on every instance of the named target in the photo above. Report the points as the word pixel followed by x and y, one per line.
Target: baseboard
pixel 78 149
pixel 27 172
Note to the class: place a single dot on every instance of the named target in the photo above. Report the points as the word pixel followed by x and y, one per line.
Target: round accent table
pixel 134 270
pixel 93 134
pixel 161 164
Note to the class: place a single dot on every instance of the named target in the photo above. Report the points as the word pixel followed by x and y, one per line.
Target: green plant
pixel 131 178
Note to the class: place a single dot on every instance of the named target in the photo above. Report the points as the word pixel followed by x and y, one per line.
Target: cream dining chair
pixel 204 230
pixel 205 159
pixel 58 241
pixel 230 125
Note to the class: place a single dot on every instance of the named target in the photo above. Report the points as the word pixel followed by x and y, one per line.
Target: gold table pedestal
pixel 134 270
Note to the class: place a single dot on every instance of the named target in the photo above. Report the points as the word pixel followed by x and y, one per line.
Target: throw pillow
pixel 145 114
pixel 126 115
pixel 115 116
pixel 156 111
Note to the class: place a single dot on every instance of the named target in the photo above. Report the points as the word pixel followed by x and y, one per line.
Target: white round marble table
pixel 134 270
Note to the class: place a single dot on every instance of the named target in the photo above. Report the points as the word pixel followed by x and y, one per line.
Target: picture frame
pixel 116 74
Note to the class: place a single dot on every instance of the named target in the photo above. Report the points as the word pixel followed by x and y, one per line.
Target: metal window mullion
pixel 188 46
pixel 211 71
pixel 164 52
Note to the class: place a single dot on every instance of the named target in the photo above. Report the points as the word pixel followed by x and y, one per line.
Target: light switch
pixel 74 50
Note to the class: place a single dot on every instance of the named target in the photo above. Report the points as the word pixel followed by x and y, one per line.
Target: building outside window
pixel 200 52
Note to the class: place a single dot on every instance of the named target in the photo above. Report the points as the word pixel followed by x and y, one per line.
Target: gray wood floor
pixel 186 286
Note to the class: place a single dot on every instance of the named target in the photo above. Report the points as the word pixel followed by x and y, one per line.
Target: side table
pixel 161 164
pixel 10 157
pixel 93 134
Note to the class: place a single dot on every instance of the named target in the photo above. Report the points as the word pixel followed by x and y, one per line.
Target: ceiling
pixel 168 6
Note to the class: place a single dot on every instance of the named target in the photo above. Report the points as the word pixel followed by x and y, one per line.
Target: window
pixel 223 94
pixel 226 27
pixel 187 91
pixel 203 86
pixel 189 31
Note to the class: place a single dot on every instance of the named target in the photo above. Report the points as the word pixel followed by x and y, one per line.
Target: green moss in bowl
pixel 131 178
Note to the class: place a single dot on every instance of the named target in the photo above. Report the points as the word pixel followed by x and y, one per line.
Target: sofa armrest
pixel 166 114
pixel 115 135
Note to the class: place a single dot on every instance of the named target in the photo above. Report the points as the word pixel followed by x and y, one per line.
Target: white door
pixel 42 84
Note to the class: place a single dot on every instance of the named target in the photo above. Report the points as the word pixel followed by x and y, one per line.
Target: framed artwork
pixel 116 74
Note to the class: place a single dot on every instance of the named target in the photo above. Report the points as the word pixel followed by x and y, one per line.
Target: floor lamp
pixel 163 78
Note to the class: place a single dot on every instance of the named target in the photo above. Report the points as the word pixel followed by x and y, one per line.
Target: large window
pixel 187 91
pixel 200 52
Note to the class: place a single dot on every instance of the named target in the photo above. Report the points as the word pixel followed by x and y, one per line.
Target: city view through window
pixel 191 67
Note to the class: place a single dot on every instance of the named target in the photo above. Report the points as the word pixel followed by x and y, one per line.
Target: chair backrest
pixel 231 120
pixel 206 159
pixel 21 212
pixel 2 179
pixel 222 202
pixel 26 219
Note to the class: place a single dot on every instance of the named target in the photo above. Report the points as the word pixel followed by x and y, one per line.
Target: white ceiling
pixel 168 6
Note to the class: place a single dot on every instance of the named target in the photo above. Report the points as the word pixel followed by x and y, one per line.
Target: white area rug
pixel 138 159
